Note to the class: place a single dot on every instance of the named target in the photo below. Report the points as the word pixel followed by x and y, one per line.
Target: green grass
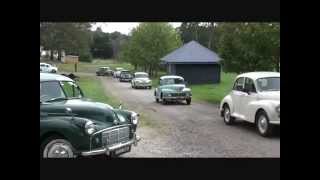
pixel 93 89
pixel 213 93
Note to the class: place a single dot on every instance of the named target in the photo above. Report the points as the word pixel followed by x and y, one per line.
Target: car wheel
pixel 188 101
pixel 53 71
pixel 227 118
pixel 56 147
pixel 150 87
pixel 264 127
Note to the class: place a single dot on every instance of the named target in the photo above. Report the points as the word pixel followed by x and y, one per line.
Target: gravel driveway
pixel 196 130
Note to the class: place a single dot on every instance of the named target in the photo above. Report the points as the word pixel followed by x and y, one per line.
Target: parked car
pixel 72 126
pixel 255 98
pixel 117 72
pixel 141 80
pixel 125 76
pixel 48 68
pixel 103 71
pixel 172 88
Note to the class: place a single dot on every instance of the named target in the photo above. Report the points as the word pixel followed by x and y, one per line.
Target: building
pixel 196 63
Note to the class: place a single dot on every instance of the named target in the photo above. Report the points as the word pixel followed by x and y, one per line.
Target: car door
pixel 236 95
pixel 247 98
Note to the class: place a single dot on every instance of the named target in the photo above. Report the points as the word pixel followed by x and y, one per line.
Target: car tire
pixel 53 71
pixel 227 118
pixel 54 142
pixel 150 87
pixel 188 101
pixel 265 129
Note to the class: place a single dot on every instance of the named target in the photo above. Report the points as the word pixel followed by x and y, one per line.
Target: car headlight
pixel 134 118
pixel 89 127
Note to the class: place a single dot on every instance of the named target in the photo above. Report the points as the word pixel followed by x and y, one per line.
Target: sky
pixel 123 27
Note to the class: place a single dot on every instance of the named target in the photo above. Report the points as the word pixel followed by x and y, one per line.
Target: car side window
pixel 249 85
pixel 239 84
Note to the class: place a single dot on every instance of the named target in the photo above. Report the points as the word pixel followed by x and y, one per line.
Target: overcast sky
pixel 123 27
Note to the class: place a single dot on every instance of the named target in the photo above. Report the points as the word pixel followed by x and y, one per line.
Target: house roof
pixel 192 52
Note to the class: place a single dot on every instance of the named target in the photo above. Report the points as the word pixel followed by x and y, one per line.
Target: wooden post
pixel 75 67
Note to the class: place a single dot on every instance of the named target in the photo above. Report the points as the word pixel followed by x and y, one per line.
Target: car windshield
pixel 141 76
pixel 169 81
pixel 268 84
pixel 54 90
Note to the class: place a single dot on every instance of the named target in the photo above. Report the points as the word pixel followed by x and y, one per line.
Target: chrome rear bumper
pixel 107 150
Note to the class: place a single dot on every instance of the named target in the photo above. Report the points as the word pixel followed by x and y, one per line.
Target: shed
pixel 195 63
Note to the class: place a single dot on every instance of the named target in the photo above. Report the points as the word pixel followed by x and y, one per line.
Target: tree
pixel 249 46
pixel 73 38
pixel 148 43
pixel 101 46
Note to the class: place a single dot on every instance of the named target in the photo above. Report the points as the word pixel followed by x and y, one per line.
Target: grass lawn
pixel 213 93
pixel 93 89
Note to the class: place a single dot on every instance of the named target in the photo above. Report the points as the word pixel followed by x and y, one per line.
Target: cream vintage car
pixel 255 98
pixel 141 80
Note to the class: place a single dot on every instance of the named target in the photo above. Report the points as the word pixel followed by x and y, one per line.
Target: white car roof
pixel 171 77
pixel 53 77
pixel 257 75
pixel 140 73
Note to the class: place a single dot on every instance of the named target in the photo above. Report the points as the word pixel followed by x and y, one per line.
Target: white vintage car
pixel 117 72
pixel 48 68
pixel 255 98
pixel 141 80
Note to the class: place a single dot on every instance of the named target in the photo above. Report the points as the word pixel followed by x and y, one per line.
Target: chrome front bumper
pixel 107 150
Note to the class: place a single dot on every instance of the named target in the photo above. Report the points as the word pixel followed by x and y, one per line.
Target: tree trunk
pixel 59 55
pixel 211 29
pixel 51 55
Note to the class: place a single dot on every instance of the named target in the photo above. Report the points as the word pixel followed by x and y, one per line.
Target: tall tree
pixel 249 46
pixel 71 37
pixel 148 43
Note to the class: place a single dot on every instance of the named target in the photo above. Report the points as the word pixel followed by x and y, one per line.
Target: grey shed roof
pixel 192 52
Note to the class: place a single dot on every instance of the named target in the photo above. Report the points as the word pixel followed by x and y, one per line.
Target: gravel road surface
pixel 196 130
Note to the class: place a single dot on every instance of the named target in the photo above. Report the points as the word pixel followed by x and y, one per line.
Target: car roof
pixel 104 67
pixel 171 77
pixel 257 75
pixel 53 77
pixel 141 73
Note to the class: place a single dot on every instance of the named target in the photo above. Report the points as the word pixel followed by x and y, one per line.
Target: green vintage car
pixel 172 88
pixel 72 126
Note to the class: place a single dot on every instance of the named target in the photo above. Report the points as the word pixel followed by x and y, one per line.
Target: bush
pixel 85 57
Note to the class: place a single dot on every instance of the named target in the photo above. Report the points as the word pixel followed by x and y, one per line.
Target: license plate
pixel 122 150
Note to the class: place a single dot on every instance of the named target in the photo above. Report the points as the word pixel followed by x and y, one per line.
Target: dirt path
pixel 195 130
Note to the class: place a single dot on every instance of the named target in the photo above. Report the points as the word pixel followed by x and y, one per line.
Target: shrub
pixel 85 57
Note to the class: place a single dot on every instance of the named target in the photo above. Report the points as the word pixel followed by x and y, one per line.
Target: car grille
pixel 116 136
pixel 178 94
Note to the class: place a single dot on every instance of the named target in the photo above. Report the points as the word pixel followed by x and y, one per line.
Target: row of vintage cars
pixel 72 125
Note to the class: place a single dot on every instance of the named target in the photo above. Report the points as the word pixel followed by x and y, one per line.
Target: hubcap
pixel 58 150
pixel 226 115
pixel 262 124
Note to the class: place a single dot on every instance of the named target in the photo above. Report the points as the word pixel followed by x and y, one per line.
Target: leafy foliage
pixel 148 43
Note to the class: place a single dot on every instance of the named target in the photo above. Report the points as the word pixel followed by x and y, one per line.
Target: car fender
pixel 227 100
pixel 268 106
pixel 69 128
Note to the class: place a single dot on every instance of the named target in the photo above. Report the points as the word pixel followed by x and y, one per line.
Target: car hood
pixel 175 88
pixel 142 79
pixel 84 108
pixel 270 95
